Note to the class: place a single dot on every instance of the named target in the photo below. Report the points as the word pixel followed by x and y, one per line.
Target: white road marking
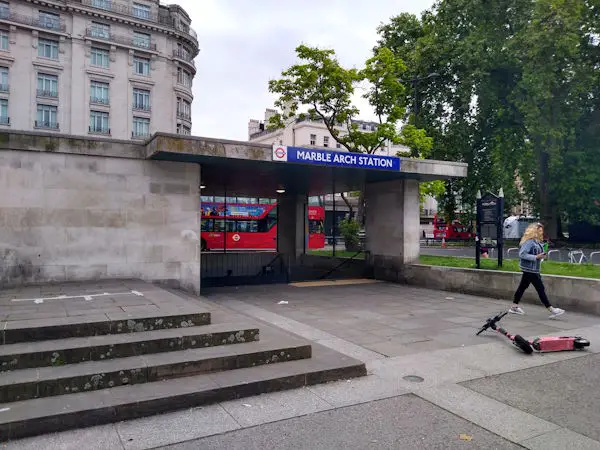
pixel 87 297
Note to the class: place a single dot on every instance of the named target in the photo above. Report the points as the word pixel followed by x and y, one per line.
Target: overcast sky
pixel 244 44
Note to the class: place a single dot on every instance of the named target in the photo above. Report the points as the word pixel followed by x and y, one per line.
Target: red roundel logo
pixel 280 152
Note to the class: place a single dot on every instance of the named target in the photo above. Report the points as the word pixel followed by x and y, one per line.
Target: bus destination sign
pixel 282 153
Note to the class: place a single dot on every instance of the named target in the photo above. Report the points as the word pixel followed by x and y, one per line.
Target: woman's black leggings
pixel 535 279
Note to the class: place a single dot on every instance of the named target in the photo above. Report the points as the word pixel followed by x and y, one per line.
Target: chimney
pixel 253 127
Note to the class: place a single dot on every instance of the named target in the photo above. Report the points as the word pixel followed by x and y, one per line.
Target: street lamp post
pixel 414 82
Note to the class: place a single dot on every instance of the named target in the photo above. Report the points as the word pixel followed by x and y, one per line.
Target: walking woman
pixel 531 254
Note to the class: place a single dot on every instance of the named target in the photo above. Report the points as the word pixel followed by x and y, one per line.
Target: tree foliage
pixel 320 88
pixel 517 98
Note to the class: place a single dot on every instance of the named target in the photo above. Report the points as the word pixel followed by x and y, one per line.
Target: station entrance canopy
pixel 260 170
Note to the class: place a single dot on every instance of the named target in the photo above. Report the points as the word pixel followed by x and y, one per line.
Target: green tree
pixel 517 96
pixel 322 89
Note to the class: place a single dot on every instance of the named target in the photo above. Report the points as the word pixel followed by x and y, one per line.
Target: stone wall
pixel 392 226
pixel 571 293
pixel 70 217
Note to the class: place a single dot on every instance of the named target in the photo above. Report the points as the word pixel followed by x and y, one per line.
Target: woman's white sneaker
pixel 555 312
pixel 516 310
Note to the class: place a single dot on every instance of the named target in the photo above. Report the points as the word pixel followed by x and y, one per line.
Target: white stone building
pixel 120 69
pixel 310 133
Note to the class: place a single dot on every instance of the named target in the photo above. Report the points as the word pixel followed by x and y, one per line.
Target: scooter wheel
pixel 580 343
pixel 523 344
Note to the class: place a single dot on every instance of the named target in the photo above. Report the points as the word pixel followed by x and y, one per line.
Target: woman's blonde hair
pixel 533 231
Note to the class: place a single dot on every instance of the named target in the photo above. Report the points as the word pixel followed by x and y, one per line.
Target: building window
pixel 4 10
pixel 103 4
pixel 183 52
pixel 338 145
pixel 4 119
pixel 48 48
pixel 141 127
pixel 3 79
pixel 325 141
pixel 141 99
pixel 183 130
pixel 99 57
pixel 184 77
pixel 3 40
pixel 47 117
pixel 313 139
pixel 141 40
pixel 141 66
pixel 141 11
pixel 99 93
pixel 100 30
pixel 49 20
pixel 99 122
pixel 184 109
pixel 47 85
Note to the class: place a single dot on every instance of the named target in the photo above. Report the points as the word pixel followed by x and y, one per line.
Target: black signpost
pixel 490 213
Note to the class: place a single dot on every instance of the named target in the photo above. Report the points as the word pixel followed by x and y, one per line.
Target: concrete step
pixel 96 348
pixel 59 413
pixel 18 331
pixel 41 382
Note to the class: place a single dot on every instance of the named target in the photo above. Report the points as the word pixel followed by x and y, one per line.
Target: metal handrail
pixel 511 249
pixel 339 266
pixel 552 251
pixel 592 256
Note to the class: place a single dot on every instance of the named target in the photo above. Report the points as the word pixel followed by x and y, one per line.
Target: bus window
pixel 207 199
pixel 219 226
pixel 315 227
pixel 230 226
pixel 266 201
pixel 207 225
pixel 315 201
pixel 247 226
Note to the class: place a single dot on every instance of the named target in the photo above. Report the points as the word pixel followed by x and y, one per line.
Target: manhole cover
pixel 413 378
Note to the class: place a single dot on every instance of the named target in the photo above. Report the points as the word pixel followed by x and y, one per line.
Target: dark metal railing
pixel 46 23
pixel 47 93
pixel 99 130
pixel 131 41
pixel 183 115
pixel 132 11
pixel 99 100
pixel 46 124
pixel 141 106
pixel 185 56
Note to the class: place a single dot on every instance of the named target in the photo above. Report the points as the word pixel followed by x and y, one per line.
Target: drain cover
pixel 413 378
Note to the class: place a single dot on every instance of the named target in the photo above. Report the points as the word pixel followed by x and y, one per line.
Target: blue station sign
pixel 282 153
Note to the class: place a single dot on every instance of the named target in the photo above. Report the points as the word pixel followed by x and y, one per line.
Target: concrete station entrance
pixel 289 176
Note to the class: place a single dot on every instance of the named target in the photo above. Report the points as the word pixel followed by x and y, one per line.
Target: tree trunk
pixel 360 209
pixel 350 208
pixel 548 210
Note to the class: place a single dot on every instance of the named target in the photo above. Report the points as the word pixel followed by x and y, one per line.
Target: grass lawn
pixel 512 265
pixel 339 253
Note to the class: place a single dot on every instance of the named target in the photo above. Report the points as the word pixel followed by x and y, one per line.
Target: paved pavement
pixel 479 388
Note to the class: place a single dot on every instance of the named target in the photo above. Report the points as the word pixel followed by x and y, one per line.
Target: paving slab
pixel 97 438
pixel 564 393
pixel 404 422
pixel 154 432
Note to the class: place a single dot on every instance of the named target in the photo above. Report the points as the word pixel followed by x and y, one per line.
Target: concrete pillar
pixel 292 232
pixel 392 226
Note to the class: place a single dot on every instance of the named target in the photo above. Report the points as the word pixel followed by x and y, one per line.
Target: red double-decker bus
pixel 251 226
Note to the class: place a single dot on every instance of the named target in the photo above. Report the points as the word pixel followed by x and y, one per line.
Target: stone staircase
pixel 70 372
